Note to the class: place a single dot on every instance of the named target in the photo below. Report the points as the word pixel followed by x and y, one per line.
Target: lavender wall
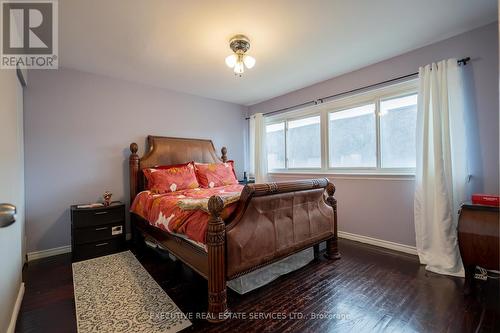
pixel 78 127
pixel 383 208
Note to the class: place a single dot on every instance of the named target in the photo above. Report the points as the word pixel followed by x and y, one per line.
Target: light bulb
pixel 231 60
pixel 239 68
pixel 249 61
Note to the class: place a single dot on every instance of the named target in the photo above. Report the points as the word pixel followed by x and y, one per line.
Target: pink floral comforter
pixel 185 212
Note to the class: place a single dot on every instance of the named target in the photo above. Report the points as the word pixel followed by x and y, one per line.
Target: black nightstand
pixel 97 231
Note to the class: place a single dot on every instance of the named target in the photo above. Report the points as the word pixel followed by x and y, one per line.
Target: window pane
pixel 304 143
pixel 352 135
pixel 275 140
pixel 398 119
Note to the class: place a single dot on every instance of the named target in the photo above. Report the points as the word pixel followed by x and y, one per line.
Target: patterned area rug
pixel 115 294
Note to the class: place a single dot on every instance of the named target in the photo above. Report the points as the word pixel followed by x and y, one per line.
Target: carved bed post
pixel 332 251
pixel 216 244
pixel 133 162
pixel 224 154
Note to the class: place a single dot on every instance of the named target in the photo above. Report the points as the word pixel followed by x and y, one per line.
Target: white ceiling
pixel 181 45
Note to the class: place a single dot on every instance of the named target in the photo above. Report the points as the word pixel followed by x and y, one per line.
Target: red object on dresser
pixel 486 199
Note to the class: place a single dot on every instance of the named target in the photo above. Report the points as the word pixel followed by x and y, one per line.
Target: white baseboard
pixel 379 242
pixel 48 253
pixel 342 234
pixel 15 311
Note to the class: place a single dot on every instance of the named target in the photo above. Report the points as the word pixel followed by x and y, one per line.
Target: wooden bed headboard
pixel 163 150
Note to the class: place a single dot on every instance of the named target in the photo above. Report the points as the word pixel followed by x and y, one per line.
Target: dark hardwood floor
pixel 368 290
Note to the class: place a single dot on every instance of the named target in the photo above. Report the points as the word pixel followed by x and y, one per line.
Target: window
pixel 398 118
pixel 352 137
pixel 275 141
pixel 299 138
pixel 304 143
pixel 373 132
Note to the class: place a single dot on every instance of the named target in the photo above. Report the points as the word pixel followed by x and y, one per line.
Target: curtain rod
pixel 463 61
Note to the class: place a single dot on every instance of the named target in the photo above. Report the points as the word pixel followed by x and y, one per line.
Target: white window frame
pixel 323 110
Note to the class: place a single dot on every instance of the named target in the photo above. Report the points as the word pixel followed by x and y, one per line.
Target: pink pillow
pixel 216 174
pixel 164 179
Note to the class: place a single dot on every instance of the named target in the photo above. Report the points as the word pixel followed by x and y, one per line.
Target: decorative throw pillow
pixel 216 174
pixel 164 179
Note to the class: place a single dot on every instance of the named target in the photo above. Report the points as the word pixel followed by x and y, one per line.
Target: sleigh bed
pixel 269 222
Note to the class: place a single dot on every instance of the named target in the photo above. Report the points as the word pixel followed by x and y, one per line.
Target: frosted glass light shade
pixel 249 61
pixel 231 60
pixel 239 68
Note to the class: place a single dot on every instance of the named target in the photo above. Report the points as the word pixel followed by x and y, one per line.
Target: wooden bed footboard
pixel 275 219
pixel 271 221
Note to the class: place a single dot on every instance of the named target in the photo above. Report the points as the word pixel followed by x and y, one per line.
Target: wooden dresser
pixel 478 239
pixel 97 231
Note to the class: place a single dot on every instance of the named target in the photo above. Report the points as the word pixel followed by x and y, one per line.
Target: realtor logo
pixel 29 34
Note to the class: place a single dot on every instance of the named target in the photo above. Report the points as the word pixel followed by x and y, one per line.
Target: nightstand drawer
pixel 93 217
pixel 98 233
pixel 92 250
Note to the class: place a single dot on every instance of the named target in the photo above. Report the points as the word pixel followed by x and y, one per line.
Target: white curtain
pixel 258 148
pixel 441 172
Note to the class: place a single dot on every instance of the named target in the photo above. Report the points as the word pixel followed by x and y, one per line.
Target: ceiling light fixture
pixel 239 60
